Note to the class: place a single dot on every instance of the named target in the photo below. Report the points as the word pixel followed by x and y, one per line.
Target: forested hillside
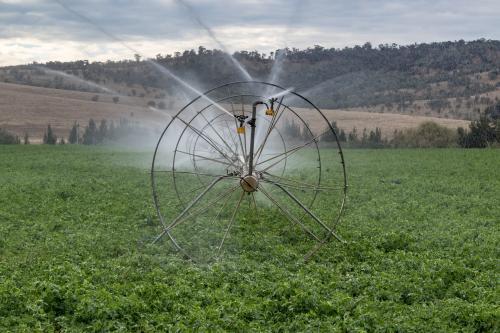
pixel 449 79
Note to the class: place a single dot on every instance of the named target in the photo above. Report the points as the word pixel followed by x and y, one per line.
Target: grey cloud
pixel 357 20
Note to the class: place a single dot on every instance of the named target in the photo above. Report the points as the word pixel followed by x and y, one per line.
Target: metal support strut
pixel 251 122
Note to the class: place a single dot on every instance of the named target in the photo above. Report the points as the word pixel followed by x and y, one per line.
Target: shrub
pixel 90 134
pixel 483 132
pixel 49 137
pixel 8 138
pixel 73 134
pixel 426 135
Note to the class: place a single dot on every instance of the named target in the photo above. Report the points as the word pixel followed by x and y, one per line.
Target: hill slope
pixel 26 109
pixel 447 79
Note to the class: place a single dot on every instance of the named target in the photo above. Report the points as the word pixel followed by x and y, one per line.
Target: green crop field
pixel 421 254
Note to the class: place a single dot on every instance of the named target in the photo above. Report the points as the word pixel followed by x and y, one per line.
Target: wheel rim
pixel 218 160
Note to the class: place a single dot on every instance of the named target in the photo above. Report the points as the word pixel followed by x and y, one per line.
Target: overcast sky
pixel 37 30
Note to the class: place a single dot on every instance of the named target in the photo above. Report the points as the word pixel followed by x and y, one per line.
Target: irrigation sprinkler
pixel 239 142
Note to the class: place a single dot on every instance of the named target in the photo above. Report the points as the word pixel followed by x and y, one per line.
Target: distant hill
pixel 26 109
pixel 448 79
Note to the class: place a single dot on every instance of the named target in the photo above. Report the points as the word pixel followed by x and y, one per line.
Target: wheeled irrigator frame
pixel 245 168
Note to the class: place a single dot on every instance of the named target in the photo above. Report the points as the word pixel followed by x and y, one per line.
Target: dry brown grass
pixel 388 122
pixel 30 109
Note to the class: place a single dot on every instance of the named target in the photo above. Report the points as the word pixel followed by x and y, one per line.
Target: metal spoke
pixel 208 152
pixel 231 222
pixel 287 154
pixel 232 137
pixel 220 150
pixel 214 163
pixel 301 185
pixel 199 133
pixel 185 211
pixel 192 191
pixel 208 140
pixel 311 214
pixel 217 133
pixel 301 188
pixel 327 238
pixel 198 174
pixel 273 123
pixel 288 214
pixel 194 146
pixel 255 204
pixel 223 206
pixel 295 149
pixel 204 158
pixel 207 206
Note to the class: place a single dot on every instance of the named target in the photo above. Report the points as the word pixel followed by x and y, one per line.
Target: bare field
pixel 26 109
pixel 388 122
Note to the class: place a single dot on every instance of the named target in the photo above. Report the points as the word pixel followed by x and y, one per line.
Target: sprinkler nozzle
pixel 270 109
pixel 241 119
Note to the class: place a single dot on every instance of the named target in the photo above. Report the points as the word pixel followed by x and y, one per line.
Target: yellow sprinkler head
pixel 269 112
pixel 240 130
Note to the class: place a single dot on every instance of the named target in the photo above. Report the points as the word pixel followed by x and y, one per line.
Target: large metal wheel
pixel 244 142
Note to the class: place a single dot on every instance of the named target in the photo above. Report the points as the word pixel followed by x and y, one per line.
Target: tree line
pixel 91 134
pixel 484 132
pixel 357 76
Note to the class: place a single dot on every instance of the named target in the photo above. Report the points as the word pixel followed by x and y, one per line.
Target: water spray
pixel 194 14
pixel 214 165
pixel 75 78
pixel 153 63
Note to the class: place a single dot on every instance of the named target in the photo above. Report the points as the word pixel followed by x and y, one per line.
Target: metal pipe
pixel 251 122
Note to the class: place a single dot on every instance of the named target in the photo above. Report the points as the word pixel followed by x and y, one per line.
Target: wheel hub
pixel 249 183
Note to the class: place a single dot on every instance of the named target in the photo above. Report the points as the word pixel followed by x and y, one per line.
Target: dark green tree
pixel 90 134
pixel 49 137
pixel 481 134
pixel 375 137
pixel 73 134
pixel 329 136
pixel 112 131
pixel 292 130
pixel 353 135
pixel 342 136
pixel 364 138
pixel 102 133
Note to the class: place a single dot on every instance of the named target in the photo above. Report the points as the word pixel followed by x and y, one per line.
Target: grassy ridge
pixel 422 228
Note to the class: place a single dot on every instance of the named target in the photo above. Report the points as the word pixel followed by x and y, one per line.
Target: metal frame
pixel 209 123
pixel 262 175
